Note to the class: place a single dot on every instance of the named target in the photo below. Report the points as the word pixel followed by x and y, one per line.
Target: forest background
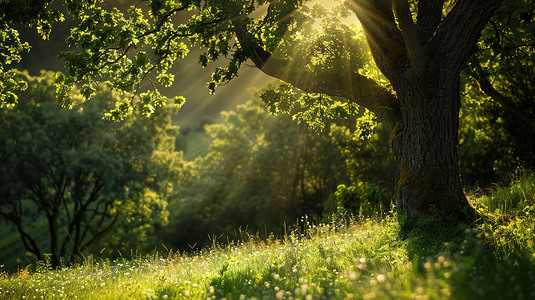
pixel 198 178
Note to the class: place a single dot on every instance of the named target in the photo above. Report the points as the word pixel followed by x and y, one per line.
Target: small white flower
pixel 381 278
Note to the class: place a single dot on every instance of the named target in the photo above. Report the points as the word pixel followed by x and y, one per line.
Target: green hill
pixel 345 259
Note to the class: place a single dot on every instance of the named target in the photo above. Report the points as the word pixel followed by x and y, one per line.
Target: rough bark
pixel 429 17
pixel 426 150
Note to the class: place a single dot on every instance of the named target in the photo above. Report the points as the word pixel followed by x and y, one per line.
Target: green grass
pixel 346 259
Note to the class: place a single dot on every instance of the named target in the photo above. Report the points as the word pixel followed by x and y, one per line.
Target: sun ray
pixel 372 15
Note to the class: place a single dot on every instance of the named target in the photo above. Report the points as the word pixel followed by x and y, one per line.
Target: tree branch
pixel 161 20
pixel 413 44
pixel 382 33
pixel 429 17
pixel 486 87
pixel 16 219
pixel 350 85
pixel 28 241
pixel 458 33
pixel 99 233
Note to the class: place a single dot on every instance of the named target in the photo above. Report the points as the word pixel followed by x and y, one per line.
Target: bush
pixel 362 199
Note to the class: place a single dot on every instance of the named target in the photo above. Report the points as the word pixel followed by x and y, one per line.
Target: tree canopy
pixel 125 48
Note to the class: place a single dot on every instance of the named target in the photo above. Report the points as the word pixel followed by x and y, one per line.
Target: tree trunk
pixel 53 232
pixel 425 146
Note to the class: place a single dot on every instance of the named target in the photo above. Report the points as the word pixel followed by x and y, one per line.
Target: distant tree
pixel 260 171
pixel 420 48
pixel 150 144
pixel 64 173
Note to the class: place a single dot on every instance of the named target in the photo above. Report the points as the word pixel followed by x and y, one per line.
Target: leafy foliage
pixel 72 170
pixel 34 13
pixel 316 110
pixel 260 171
pixel 9 52
pixel 499 131
pixel 124 48
pixel 360 199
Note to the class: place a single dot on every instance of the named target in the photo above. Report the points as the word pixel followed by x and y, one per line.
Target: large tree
pixel 420 47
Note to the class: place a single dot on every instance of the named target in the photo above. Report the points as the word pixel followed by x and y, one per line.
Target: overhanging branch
pixel 350 85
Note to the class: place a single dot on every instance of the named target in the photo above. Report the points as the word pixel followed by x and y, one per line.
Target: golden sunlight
pixel 336 8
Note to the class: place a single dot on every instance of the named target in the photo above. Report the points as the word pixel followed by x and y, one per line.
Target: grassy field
pixel 345 259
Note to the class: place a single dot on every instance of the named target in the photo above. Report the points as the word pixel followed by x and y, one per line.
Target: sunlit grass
pixel 345 259
pixel 509 218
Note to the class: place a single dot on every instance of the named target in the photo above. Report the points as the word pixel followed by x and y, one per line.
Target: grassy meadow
pixel 346 258
pixel 303 143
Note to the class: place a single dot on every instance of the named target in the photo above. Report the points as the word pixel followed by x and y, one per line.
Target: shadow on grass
pixel 459 257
